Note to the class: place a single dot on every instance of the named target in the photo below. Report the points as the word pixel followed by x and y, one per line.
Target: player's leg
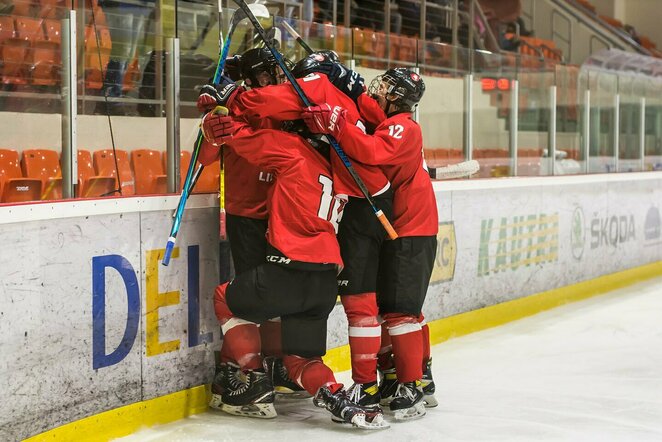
pixel 360 236
pixel 427 381
pixel 304 344
pixel 239 306
pixel 405 269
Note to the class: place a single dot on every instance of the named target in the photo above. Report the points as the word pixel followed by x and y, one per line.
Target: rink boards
pixel 90 321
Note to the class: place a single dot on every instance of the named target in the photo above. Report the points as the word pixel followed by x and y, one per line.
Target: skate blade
pixel 411 413
pixel 287 393
pixel 216 402
pixel 430 401
pixel 260 411
pixel 377 422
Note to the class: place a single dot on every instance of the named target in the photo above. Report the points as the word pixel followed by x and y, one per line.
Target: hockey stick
pixel 458 170
pixel 341 154
pixel 189 181
pixel 297 37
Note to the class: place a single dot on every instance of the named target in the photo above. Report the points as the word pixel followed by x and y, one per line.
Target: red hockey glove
pixel 217 129
pixel 325 120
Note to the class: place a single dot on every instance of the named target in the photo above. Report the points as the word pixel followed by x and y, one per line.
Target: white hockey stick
pixel 459 170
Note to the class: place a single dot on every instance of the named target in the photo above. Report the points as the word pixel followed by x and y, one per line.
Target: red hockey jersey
pixel 397 146
pixel 303 211
pixel 246 185
pixel 282 103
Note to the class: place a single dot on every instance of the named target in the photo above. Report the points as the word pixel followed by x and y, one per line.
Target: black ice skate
pixel 346 411
pixel 283 384
pixel 408 401
pixel 388 386
pixel 228 378
pixel 255 398
pixel 428 386
pixel 365 395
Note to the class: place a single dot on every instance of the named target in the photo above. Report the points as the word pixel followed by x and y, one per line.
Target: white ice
pixel 587 371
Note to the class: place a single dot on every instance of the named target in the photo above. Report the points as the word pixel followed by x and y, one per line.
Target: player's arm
pixel 265 148
pixel 383 148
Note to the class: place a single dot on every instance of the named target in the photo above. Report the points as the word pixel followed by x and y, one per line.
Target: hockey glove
pixel 351 83
pixel 217 129
pixel 325 120
pixel 212 95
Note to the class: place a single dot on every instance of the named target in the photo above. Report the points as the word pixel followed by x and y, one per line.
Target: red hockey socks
pixel 241 339
pixel 270 334
pixel 385 355
pixel 364 335
pixel 405 332
pixel 425 336
pixel 309 373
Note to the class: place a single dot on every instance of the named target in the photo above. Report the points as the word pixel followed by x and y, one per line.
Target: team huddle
pixel 301 233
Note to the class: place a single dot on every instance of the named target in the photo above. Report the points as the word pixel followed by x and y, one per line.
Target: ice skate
pixel 228 378
pixel 346 411
pixel 365 395
pixel 408 401
pixel 255 398
pixel 283 384
pixel 428 386
pixel 388 386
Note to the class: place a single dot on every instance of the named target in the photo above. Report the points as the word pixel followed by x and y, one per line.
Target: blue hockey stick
pixel 189 182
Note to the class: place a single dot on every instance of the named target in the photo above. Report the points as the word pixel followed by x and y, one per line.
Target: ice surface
pixel 588 371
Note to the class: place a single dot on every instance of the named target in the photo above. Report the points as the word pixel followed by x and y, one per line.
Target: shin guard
pixel 241 338
pixel 405 332
pixel 309 373
pixel 364 335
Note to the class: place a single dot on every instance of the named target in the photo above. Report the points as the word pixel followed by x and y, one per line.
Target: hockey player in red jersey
pixel 298 280
pixel 246 195
pixel 405 263
pixel 324 79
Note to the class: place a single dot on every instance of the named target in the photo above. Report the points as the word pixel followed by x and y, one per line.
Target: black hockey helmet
pixel 318 61
pixel 402 83
pixel 255 64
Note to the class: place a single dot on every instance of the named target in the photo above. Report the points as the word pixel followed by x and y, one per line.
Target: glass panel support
pixel 69 105
pixel 551 135
pixel 617 130
pixel 586 129
pixel 172 113
pixel 468 116
pixel 642 133
pixel 514 116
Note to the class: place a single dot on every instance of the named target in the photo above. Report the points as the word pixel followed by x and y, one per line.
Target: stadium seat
pixel 209 179
pixel 14 52
pixel 95 69
pixel 184 161
pixel 46 57
pixel 13 186
pixel 148 171
pixel 89 184
pixel 44 164
pixel 104 165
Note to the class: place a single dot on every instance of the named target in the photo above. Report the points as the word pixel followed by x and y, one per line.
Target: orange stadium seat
pixel 209 179
pixel 23 8
pixel 13 186
pixel 51 8
pixel 44 164
pixel 14 53
pixel 148 171
pixel 104 165
pixel 95 69
pixel 89 184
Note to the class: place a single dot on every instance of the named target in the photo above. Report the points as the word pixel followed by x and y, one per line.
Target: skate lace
pixel 354 393
pixel 242 387
pixel 405 390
